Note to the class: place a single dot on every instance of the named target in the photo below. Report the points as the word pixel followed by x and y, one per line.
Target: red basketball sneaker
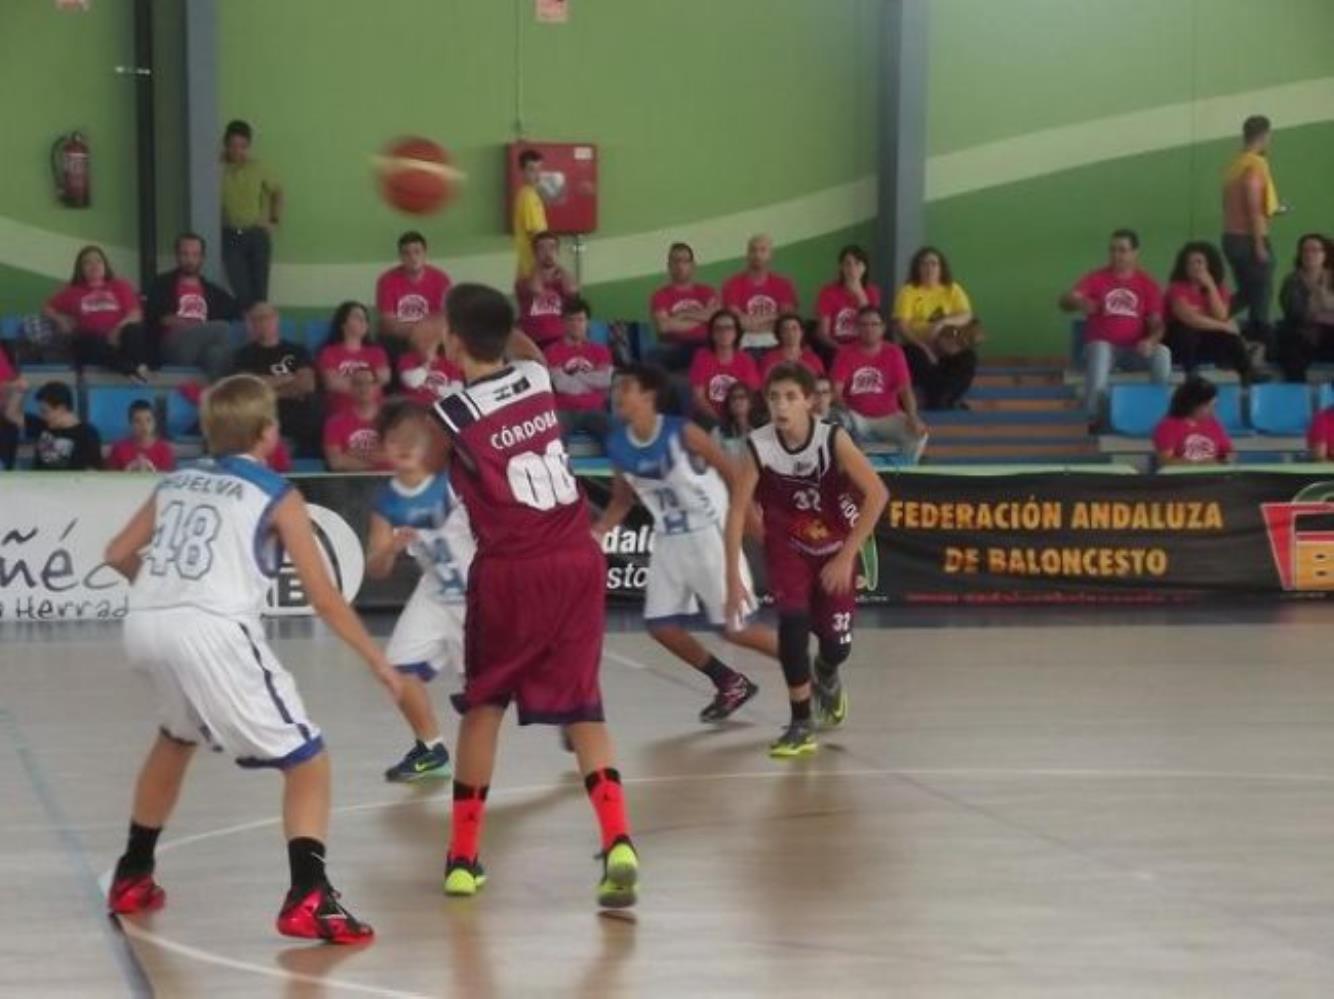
pixel 135 893
pixel 318 915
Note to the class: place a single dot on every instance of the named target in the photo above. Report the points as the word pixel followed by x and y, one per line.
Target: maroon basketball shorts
pixel 533 635
pixel 794 579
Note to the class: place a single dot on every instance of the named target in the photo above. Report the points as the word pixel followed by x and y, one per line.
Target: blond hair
pixel 235 414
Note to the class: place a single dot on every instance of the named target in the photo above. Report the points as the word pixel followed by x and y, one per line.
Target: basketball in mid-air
pixel 416 176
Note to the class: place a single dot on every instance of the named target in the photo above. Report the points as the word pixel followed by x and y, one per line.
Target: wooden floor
pixel 1099 805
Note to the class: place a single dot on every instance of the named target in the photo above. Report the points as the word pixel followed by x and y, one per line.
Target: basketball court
pixel 1109 804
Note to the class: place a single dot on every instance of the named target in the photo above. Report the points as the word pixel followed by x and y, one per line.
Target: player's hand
pixel 836 576
pixel 737 603
pixel 404 537
pixel 390 678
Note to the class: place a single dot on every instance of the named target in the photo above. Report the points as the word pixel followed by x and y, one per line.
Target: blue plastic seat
pixel 314 334
pixel 599 331
pixel 10 327
pixel 1227 408
pixel 182 418
pixel 109 405
pixel 1281 408
pixel 1325 397
pixel 1136 409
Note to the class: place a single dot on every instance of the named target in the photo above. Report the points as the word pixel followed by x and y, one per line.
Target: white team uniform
pixel 429 632
pixel 688 501
pixel 194 621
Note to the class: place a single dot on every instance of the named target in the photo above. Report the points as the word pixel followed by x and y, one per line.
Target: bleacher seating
pixel 10 327
pixel 314 334
pixel 1136 409
pixel 1227 409
pixel 1280 408
pixel 182 423
pixel 107 408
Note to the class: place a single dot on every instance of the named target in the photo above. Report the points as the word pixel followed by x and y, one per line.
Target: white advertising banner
pixel 55 527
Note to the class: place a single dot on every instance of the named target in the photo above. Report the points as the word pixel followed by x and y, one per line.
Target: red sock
pixel 604 791
pixel 466 821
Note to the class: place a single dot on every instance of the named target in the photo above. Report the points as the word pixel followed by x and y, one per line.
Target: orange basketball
pixel 416 176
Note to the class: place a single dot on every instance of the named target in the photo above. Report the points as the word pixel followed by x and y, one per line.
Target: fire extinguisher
pixel 70 162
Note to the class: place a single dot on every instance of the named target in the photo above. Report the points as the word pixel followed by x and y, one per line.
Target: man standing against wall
pixel 1250 200
pixel 529 213
pixel 252 204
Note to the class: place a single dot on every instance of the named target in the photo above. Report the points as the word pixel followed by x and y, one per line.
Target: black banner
pixel 1028 538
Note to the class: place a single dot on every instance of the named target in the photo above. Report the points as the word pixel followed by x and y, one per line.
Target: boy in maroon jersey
pixel 805 473
pixel 536 591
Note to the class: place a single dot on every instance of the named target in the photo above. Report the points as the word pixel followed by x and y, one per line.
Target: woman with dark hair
pixel 350 347
pixel 743 411
pixel 839 300
pixel 1197 305
pixel 934 320
pixel 1306 334
pixel 1190 434
pixel 719 364
pixel 102 315
pixel 791 333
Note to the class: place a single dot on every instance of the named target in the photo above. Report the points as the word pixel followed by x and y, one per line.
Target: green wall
pixel 1050 123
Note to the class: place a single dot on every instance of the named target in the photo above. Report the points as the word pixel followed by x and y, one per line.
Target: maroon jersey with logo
pixel 807 501
pixel 510 465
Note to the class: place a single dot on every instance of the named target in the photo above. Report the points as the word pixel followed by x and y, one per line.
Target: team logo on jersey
pixel 1121 302
pixel 867 381
pixel 343 559
pixel 413 308
pixel 761 305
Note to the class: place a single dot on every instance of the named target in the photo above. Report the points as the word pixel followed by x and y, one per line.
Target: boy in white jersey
pixel 682 476
pixel 201 553
pixel 417 512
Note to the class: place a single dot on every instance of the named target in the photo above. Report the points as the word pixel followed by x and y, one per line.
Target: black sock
pixel 717 671
pixel 306 857
pixel 138 856
pixel 801 710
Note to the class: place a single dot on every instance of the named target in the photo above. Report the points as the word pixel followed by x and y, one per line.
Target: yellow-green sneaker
pixel 830 703
pixel 463 878
pixel 798 739
pixel 620 876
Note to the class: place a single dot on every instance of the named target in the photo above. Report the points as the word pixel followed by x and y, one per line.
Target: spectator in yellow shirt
pixel 530 214
pixel 934 320
pixel 252 204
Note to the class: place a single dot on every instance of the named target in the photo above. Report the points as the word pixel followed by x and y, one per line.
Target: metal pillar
pixel 902 111
pixel 203 130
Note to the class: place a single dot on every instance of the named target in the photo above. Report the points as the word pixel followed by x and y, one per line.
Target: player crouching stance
pixel 683 478
pixel 804 473
pixel 214 538
pixel 416 511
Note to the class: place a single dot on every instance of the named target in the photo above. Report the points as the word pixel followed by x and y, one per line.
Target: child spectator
pixel 840 299
pixel 1198 306
pixel 408 293
pixel 12 387
pixel 542 294
pixel 143 450
pixel 580 375
pixel 871 380
pixel 425 373
pixel 822 403
pixel 718 365
pixel 351 439
pixel 528 214
pixel 286 368
pixel 101 313
pixel 681 310
pixel 64 443
pixel 1320 435
pixel 934 319
pixel 743 411
pixel 758 295
pixel 791 347
pixel 1190 434
pixel 349 350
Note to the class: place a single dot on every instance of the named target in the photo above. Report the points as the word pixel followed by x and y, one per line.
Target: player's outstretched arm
pixel 621 502
pixel 701 443
pixel 738 507
pixel 122 553
pixel 837 573
pixel 292 522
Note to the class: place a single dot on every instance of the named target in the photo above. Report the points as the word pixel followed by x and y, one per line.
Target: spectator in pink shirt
pixel 102 315
pixel 408 293
pixel 1123 321
pixel 791 333
pixel 143 450
pixel 681 309
pixel 580 374
pixel 872 382
pixel 758 295
pixel 1190 434
pixel 542 294
pixel 351 435
pixel 349 349
pixel 1199 327
pixel 840 299
pixel 718 365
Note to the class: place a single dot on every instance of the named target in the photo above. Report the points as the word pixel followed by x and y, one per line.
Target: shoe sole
pixel 338 939
pixel 792 752
pixel 623 879
pixel 437 773
pixel 713 719
pixel 465 890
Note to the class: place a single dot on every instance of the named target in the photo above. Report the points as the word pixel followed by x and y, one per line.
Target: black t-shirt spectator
pixel 69 449
pixel 283 358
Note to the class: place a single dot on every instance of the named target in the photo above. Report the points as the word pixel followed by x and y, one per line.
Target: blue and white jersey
pixel 445 545
pixel 214 547
pixel 681 491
